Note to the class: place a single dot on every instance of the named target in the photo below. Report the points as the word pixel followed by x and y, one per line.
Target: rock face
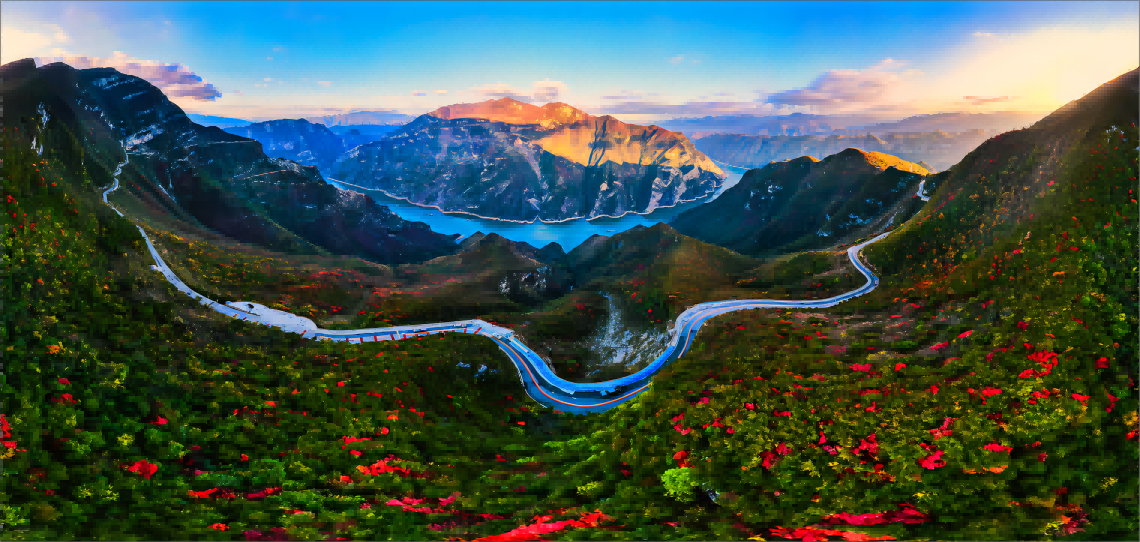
pixel 203 175
pixel 298 140
pixel 513 161
pixel 806 203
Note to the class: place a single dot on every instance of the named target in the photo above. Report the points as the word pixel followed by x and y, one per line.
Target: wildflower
pixel 1102 363
pixel 355 452
pixel 997 448
pixel 1081 398
pixel 1041 456
pixel 244 457
pixel 933 461
pixel 750 406
pixel 219 527
pixel 161 421
pixel 990 391
pixel 144 468
pixel 53 349
pixel 66 382
pixel 965 334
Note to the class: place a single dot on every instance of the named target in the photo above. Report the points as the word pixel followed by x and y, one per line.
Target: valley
pixel 744 376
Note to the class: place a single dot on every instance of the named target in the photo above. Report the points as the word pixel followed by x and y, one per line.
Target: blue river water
pixel 568 234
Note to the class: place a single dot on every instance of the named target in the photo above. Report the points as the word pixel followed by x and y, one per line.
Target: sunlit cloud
pixel 982 35
pixel 843 90
pixel 16 44
pixel 499 90
pixel 441 92
pixel 174 80
pixel 1039 70
pixel 677 59
pixel 978 100
pixel 325 84
pixel 60 35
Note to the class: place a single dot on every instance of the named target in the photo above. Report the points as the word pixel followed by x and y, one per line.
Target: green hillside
pixel 808 204
pixel 944 405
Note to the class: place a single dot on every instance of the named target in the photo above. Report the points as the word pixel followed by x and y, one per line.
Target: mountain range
pixel 941 149
pixel 203 175
pixel 798 124
pixel 1005 314
pixel 510 160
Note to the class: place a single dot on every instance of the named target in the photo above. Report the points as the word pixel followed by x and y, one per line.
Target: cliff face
pixel 806 203
pixel 221 181
pixel 298 140
pixel 513 161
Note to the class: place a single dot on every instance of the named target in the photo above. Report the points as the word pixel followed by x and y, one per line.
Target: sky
pixel 637 61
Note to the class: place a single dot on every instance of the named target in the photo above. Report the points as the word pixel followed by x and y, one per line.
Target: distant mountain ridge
pixel 508 160
pixel 298 140
pixel 362 117
pixel 220 122
pixel 941 149
pixel 799 124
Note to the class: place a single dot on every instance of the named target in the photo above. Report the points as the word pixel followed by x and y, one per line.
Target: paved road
pixel 541 383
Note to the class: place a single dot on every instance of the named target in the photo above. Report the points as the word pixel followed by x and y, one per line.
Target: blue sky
pixel 635 60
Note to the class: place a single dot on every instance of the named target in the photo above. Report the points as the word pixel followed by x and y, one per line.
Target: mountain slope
pixel 941 391
pixel 806 203
pixel 512 161
pixel 297 140
pixel 203 175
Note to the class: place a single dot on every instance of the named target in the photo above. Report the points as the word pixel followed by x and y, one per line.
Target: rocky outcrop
pixel 512 161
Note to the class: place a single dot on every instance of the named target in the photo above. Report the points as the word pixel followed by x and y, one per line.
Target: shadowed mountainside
pixel 804 204
pixel 204 175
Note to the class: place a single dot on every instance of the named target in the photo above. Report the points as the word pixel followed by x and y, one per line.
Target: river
pixel 568 234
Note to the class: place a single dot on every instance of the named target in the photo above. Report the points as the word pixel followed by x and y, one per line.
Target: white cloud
pixel 174 80
pixel 983 35
pixel 677 59
pixel 548 91
pixel 839 91
pixel 698 61
pixel 325 84
pixel 268 58
pixel 60 35
pixel 1039 70
pixel 238 92
pixel 267 79
pixel 278 49
pixel 499 90
pixel 16 44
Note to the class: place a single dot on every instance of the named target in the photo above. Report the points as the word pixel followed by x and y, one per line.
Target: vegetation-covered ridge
pixel 943 405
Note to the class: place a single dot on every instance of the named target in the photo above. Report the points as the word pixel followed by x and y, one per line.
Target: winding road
pixel 542 385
